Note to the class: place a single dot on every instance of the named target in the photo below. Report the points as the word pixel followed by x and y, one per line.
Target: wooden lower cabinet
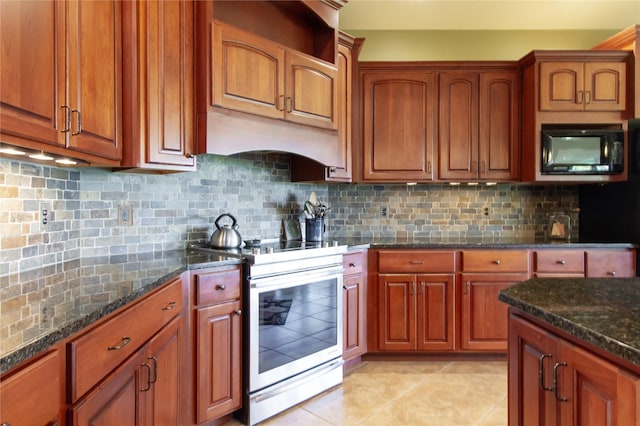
pixel 416 312
pixel 556 382
pixel 483 318
pixel 217 318
pixel 610 263
pixel 145 390
pixel 31 395
pixel 354 300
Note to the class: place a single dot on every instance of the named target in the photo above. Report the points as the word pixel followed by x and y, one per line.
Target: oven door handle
pixel 301 379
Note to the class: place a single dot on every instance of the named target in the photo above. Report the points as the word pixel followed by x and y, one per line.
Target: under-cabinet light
pixel 66 161
pixel 412 183
pixel 491 183
pixel 454 183
pixel 472 183
pixel 41 156
pixel 11 151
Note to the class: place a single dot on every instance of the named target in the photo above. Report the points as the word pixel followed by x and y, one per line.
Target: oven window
pixel 296 322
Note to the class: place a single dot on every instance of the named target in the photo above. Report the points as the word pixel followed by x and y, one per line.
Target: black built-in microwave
pixel 583 151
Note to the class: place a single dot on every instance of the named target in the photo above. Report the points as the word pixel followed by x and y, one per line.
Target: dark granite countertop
pixel 472 243
pixel 84 290
pixel 604 312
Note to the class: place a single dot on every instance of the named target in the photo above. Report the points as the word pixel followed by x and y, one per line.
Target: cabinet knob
pixel 188 155
pixel 344 287
pixel 239 312
pixel 352 264
pixel 562 262
pixel 497 262
pixel 612 273
pixel 221 287
pixel 332 169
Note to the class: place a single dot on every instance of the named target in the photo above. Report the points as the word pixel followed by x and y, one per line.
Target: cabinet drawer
pixel 495 261
pixel 32 394
pixel 569 261
pixel 354 263
pixel 101 349
pixel 217 286
pixel 610 263
pixel 416 261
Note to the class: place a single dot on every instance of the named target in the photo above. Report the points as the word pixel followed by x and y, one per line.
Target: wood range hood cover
pixel 227 132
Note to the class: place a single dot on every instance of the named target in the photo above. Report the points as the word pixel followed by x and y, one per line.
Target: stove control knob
pixel 269 250
pixel 335 243
pixel 256 250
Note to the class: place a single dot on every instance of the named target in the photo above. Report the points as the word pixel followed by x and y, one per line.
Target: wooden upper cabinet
pixel 239 57
pixel 61 84
pixel 159 86
pixel 30 101
pixel 399 119
pixel 94 46
pixel 582 86
pixel 479 130
pixel 292 85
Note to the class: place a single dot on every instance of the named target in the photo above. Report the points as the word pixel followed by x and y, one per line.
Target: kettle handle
pixel 233 225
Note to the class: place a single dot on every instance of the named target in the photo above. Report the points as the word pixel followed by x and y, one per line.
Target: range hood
pixel 226 132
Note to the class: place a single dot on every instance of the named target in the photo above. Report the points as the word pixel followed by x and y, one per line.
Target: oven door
pixel 295 324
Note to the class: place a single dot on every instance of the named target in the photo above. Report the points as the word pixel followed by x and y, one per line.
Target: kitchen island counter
pixel 79 292
pixel 604 313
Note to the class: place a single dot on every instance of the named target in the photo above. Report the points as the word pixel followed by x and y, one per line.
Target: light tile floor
pixel 408 393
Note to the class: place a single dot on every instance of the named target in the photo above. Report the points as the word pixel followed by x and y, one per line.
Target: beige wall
pixel 496 45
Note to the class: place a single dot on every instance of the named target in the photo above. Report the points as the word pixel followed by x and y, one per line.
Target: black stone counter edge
pixel 40 345
pixel 612 346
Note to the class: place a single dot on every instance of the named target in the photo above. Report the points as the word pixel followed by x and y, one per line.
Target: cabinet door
pixel 32 395
pixel 561 86
pixel 604 86
pixel 483 318
pixel 597 392
pixel 160 86
pixel 458 131
pixel 399 125
pixel 165 356
pixel 435 323
pixel 532 355
pixel 354 316
pixel 345 67
pixel 610 263
pixel 311 89
pixel 397 312
pixel 239 57
pixel 95 77
pixel 218 360
pixel 499 137
pixel 33 38
pixel 119 399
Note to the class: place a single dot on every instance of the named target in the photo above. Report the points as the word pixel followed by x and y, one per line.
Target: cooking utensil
pixel 226 236
pixel 313 198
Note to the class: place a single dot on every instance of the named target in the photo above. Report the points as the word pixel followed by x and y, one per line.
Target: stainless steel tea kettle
pixel 227 236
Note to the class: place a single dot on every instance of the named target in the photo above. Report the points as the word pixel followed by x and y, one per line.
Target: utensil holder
pixel 314 229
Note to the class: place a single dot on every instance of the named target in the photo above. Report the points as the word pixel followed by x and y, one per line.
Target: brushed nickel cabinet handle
pixel 352 264
pixel 148 377
pixel 221 287
pixel 497 262
pixel 155 368
pixel 282 103
pixel 612 273
pixel 67 119
pixel 562 262
pixel 79 122
pixel 541 372
pixel 416 262
pixel 467 287
pixel 238 312
pixel 580 97
pixel 555 381
pixel 587 97
pixel 124 342
pixel 289 103
pixel 169 306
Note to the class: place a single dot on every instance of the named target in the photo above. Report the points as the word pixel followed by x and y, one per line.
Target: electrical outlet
pixel 384 211
pixel 125 215
pixel 486 211
pixel 46 214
